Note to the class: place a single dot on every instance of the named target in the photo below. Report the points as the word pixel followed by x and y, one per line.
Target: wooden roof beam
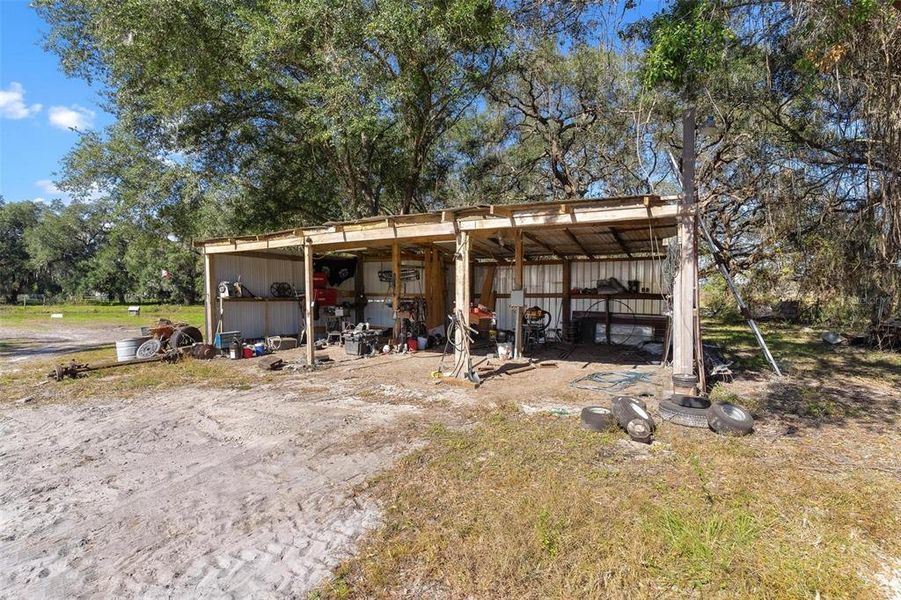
pixel 544 245
pixel 578 243
pixel 620 242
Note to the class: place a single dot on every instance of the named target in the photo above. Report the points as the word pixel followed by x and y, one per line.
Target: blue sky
pixel 38 104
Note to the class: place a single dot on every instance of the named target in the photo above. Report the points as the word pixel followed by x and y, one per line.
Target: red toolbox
pixel 326 296
pixel 320 280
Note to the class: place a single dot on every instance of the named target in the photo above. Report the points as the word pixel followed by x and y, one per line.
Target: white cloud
pixel 48 187
pixel 71 117
pixel 12 103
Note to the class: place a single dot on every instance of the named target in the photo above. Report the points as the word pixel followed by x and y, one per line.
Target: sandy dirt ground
pixel 46 341
pixel 208 492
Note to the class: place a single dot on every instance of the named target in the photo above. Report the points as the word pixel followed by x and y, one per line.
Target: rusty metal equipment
pixel 169 336
pixel 73 369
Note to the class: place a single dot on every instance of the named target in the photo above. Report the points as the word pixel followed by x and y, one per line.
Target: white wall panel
pixel 540 279
pixel 285 317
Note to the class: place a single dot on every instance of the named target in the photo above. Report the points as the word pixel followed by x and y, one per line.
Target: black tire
pixel 729 419
pixel 691 401
pixel 682 415
pixel 627 408
pixel 185 336
pixel 597 418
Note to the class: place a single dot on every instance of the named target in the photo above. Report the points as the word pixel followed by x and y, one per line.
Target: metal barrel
pixel 125 349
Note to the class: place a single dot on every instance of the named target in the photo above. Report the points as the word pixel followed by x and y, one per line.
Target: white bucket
pixel 505 350
pixel 125 349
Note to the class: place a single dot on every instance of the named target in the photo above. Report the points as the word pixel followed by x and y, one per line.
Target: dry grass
pixel 532 507
pixel 535 507
pixel 120 382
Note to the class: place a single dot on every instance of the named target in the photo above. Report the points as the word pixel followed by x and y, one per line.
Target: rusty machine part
pixel 170 336
pixel 204 351
pixel 74 369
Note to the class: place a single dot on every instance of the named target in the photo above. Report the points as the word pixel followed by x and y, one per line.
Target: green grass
pixel 97 314
pixel 800 352
pixel 535 507
pixel 120 382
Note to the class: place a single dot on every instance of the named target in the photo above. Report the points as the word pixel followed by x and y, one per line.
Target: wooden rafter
pixel 578 243
pixel 544 245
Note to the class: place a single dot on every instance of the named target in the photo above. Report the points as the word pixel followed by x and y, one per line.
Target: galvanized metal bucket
pixel 125 349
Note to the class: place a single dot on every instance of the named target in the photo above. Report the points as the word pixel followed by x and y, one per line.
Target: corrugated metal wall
pixel 377 314
pixel 259 319
pixel 285 317
pixel 540 279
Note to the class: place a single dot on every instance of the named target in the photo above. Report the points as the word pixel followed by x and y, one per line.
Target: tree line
pixel 236 116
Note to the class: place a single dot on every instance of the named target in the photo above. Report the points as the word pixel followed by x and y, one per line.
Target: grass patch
pixel 104 314
pixel 801 352
pixel 121 382
pixel 535 507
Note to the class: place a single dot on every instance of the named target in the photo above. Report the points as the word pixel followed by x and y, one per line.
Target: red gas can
pixel 326 297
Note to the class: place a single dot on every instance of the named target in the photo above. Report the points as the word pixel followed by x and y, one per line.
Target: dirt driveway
pixel 201 491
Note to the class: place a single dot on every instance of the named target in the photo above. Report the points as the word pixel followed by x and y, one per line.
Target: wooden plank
pixel 327 239
pixel 209 297
pixel 566 305
pixel 518 276
pixel 308 302
pixel 578 243
pixel 620 242
pixel 686 276
pixel 544 245
pixel 486 296
pixel 462 300
pixel 395 270
pixel 359 289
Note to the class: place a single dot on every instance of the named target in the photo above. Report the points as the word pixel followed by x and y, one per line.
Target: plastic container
pixel 248 352
pixel 505 350
pixel 125 349
pixel 259 349
pixel 326 297
pixel 412 344
pixel 423 342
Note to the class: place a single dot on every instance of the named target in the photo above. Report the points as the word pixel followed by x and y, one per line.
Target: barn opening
pixel 591 274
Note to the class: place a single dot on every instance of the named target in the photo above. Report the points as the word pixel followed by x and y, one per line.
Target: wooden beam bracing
pixel 462 300
pixel 578 243
pixel 532 238
pixel 348 237
pixel 620 242
pixel 518 277
pixel 210 310
pixel 309 300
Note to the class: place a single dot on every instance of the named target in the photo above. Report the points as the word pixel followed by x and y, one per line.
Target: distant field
pixel 98 314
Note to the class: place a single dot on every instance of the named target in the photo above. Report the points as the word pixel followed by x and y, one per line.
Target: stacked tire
pixel 694 411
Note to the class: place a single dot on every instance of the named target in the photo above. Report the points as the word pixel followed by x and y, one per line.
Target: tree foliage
pixel 238 116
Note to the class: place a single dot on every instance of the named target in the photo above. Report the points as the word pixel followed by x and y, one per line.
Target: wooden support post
pixel 309 299
pixel 566 305
pixel 687 276
pixel 462 299
pixel 359 290
pixel 210 309
pixel 395 300
pixel 518 272
pixel 607 320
